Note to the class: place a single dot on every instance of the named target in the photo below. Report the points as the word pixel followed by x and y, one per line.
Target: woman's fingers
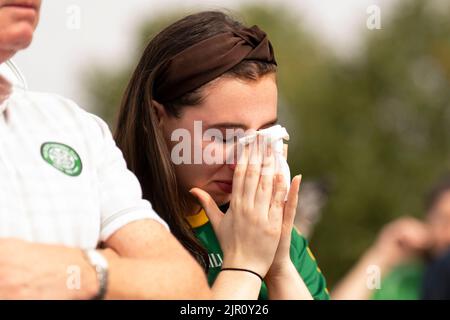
pixel 239 173
pixel 265 187
pixel 252 175
pixel 212 210
pixel 290 208
pixel 277 204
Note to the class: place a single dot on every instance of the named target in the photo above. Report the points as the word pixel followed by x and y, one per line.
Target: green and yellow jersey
pixel 301 256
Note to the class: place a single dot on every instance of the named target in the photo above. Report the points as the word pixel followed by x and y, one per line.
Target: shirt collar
pixel 11 73
pixel 198 219
pixel 3 107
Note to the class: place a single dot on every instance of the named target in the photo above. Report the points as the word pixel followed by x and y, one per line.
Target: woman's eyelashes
pixel 223 137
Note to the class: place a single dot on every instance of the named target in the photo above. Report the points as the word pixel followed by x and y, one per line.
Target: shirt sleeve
pixel 307 267
pixel 120 192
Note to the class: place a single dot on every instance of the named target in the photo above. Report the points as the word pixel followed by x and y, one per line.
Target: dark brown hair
pixel 138 134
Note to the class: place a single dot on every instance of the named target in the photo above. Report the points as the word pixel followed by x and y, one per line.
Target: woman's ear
pixel 160 111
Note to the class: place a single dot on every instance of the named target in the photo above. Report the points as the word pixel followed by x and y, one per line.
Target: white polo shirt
pixel 62 178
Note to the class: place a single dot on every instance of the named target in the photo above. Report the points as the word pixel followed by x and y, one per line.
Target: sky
pixel 74 34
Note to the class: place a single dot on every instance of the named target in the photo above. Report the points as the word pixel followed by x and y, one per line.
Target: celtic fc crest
pixel 62 157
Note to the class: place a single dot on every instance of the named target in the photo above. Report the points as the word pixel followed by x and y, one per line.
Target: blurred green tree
pixel 375 127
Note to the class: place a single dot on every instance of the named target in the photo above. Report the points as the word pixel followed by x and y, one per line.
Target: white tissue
pixel 275 136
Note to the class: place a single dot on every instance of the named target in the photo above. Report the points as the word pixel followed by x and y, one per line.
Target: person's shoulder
pixel 48 106
pixel 60 108
pixel 46 100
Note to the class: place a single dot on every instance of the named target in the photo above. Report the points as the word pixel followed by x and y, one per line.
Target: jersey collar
pixel 198 220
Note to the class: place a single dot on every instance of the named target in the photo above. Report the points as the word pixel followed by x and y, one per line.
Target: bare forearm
pixel 355 285
pixel 65 273
pixel 159 278
pixel 287 285
pixel 236 285
pixel 145 262
pixel 152 265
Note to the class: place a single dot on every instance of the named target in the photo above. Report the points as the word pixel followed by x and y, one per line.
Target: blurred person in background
pixel 436 282
pixel 65 190
pixel 402 252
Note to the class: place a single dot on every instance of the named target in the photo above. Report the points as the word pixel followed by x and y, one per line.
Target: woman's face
pixel 230 106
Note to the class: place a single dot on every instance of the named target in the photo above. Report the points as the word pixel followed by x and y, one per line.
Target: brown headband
pixel 209 59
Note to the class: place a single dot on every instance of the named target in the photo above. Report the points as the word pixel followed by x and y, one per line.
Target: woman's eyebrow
pixel 226 125
pixel 223 125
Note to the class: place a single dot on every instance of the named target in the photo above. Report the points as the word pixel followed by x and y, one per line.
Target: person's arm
pixel 146 263
pixel 236 285
pixel 287 284
pixel 153 265
pixel 354 285
pixel 398 242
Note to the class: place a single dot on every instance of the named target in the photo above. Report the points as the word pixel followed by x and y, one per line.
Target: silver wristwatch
pixel 100 264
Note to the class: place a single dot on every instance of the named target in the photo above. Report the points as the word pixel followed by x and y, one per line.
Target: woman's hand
pixel 283 280
pixel 249 232
pixel 282 261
